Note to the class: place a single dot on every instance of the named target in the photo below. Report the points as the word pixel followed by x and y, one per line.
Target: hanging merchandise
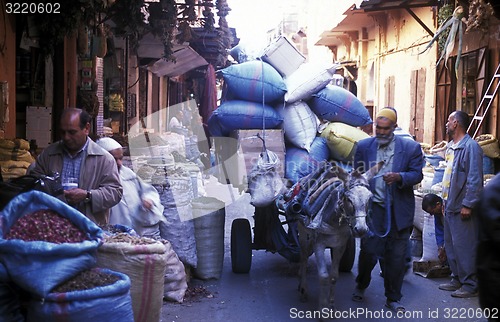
pixel 264 181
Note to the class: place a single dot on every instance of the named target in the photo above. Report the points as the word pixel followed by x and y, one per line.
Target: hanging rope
pixel 263 106
pixel 388 207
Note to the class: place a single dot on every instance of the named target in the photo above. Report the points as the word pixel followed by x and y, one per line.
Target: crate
pixel 283 56
pixel 238 153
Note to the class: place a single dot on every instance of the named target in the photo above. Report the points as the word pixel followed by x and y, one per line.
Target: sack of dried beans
pixel 96 294
pixel 43 241
pixel 144 261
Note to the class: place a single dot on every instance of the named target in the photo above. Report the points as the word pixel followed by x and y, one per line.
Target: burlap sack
pixel 145 264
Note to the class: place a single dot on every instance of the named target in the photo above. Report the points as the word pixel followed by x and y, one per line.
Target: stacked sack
pixel 252 90
pixel 15 158
pixel 284 91
pixel 330 132
pixel 48 251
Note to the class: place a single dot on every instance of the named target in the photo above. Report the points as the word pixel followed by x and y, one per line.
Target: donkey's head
pixel 356 199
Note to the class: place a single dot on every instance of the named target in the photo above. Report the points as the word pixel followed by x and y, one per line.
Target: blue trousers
pixel 393 249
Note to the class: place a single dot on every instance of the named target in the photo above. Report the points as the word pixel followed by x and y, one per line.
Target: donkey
pixel 334 205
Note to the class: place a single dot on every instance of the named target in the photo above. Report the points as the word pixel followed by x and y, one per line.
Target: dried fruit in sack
pixel 126 238
pixel 87 280
pixel 46 225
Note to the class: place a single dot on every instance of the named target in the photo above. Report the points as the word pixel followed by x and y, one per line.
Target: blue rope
pixel 387 203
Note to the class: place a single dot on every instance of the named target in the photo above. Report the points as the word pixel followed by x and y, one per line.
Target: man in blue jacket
pixel 488 256
pixel 393 206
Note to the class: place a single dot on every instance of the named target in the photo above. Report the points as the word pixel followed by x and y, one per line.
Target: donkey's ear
pixel 373 170
pixel 340 172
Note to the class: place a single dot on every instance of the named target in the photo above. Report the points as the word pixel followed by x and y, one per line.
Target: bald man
pixel 92 171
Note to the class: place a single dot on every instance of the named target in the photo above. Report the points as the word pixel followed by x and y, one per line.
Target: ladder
pixel 485 104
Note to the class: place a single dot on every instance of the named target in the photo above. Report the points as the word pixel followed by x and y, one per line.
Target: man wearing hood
pixel 140 207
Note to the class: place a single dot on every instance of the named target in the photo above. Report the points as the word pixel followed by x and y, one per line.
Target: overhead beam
pixel 429 31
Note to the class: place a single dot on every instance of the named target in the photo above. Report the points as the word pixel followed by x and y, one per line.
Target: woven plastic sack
pixel 10 304
pixel 299 163
pixel 209 218
pixel 300 124
pixel 102 303
pixel 336 104
pixel 175 280
pixel 342 140
pixel 430 251
pixel 254 81
pixel 31 264
pixel 15 150
pixel 242 115
pixel 264 181
pixel 13 169
pixel 319 149
pixel 178 229
pixel 307 80
pixel 145 264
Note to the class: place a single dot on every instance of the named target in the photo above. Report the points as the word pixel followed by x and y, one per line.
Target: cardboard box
pixel 283 56
pixel 238 153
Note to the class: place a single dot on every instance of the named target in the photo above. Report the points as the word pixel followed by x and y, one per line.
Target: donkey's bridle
pixel 343 216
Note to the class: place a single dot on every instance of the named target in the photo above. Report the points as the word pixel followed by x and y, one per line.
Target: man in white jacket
pixel 140 207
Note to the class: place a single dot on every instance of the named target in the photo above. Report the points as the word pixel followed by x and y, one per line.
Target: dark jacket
pixel 488 250
pixel 408 160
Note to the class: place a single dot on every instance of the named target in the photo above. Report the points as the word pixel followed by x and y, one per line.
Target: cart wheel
pixel 347 260
pixel 241 246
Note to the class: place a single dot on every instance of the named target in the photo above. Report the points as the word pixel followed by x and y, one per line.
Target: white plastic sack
pixel 175 281
pixel 307 80
pixel 300 124
pixel 430 251
pixel 264 181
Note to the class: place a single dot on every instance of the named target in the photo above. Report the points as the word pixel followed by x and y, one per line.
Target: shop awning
pixel 341 33
pixel 186 58
pixel 381 5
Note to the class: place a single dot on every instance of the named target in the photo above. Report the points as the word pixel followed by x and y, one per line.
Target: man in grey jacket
pixel 462 188
pixel 76 157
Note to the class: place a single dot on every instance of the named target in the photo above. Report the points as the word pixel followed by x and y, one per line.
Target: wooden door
pixel 417 95
pixel 445 98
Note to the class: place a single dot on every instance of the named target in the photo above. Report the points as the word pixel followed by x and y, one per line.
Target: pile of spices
pixel 87 280
pixel 46 225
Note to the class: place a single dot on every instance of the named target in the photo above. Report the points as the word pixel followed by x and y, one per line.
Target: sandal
pixel 395 306
pixel 358 295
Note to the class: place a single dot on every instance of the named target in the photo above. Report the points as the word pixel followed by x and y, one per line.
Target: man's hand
pixel 391 177
pixel 74 196
pixel 147 204
pixel 465 213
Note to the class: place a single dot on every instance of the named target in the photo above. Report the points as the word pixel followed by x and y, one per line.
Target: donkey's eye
pixel 348 206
